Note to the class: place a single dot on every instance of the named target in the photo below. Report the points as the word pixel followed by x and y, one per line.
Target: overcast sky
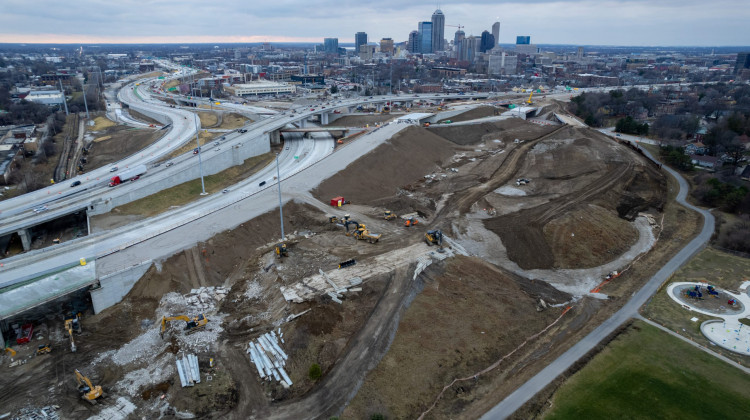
pixel 604 22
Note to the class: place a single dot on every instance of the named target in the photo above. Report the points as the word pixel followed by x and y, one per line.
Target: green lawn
pixel 647 374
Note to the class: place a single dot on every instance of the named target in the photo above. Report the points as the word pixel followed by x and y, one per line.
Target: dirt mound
pixel 473 114
pixel 402 160
pixel 505 130
pixel 123 141
pixel 588 237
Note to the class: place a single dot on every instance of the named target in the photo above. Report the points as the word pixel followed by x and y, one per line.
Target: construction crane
pixel 434 237
pixel 459 26
pixel 73 324
pixel 191 326
pixel 88 391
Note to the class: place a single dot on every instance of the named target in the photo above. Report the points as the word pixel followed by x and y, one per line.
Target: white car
pixel 113 169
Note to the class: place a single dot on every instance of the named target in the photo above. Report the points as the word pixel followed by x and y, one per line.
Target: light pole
pixel 200 161
pixel 281 210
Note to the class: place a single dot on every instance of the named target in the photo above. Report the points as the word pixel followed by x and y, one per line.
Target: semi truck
pixel 128 174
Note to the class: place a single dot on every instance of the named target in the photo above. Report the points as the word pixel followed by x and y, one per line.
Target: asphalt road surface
pixel 524 393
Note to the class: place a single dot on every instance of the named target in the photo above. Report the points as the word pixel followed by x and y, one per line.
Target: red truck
pixel 128 174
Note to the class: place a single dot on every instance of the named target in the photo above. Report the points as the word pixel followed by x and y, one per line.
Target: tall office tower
pixel 414 42
pixel 458 39
pixel 425 37
pixel 487 43
pixel 331 45
pixel 496 32
pixel 579 53
pixel 471 47
pixel 386 46
pixel 523 40
pixel 743 62
pixel 360 38
pixel 438 31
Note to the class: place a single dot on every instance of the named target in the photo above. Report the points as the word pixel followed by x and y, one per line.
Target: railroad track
pixel 71 134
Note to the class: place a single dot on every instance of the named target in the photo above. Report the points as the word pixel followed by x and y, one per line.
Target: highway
pixel 539 381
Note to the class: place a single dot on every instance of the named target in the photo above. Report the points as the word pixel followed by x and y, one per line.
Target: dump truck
pixel 365 235
pixel 128 174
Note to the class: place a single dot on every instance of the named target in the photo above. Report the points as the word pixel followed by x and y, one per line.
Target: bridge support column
pixel 274 137
pixel 379 107
pixel 408 104
pixel 303 123
pixel 25 239
pixel 351 109
pixel 324 118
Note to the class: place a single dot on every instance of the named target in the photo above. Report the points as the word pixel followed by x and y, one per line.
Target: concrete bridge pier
pixel 351 109
pixel 324 118
pixel 25 239
pixel 303 123
pixel 274 137
pixel 379 107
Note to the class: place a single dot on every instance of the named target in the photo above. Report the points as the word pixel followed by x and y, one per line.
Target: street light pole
pixel 200 161
pixel 281 210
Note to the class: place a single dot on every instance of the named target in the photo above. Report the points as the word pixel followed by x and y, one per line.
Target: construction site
pixel 427 279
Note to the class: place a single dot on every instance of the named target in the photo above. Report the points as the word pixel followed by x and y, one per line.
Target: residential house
pixel 708 162
pixel 696 148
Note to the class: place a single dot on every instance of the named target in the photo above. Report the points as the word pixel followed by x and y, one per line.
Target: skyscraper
pixel 331 45
pixel 471 47
pixel 458 39
pixel 360 38
pixel 438 31
pixel 414 42
pixel 743 62
pixel 496 32
pixel 487 43
pixel 425 37
pixel 386 46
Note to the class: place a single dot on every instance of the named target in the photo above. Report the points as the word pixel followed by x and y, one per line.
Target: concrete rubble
pixel 33 413
pixel 268 357
pixel 121 410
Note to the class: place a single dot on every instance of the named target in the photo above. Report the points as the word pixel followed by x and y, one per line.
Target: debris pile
pixel 187 368
pixel 269 358
pixel 156 371
pixel 33 413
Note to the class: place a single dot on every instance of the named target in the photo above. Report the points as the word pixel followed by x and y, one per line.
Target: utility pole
pixel 65 101
pixel 281 210
pixel 200 161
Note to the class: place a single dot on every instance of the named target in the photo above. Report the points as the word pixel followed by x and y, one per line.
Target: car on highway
pixel 169 164
pixel 113 169
pixel 216 143
pixel 262 183
pixel 217 149
pixel 40 209
pixel 75 183
pixel 224 191
pixel 196 150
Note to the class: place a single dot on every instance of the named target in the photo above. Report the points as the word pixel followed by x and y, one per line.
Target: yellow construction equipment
pixel 365 235
pixel 389 215
pixel 434 237
pixel 191 326
pixel 88 391
pixel 11 351
pixel 73 324
pixel 281 250
pixel 43 349
pixel 528 101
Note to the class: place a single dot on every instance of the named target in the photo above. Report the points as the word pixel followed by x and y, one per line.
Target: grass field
pixel 718 268
pixel 647 374
pixel 189 191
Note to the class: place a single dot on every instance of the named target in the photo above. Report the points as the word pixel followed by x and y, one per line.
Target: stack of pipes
pixel 187 368
pixel 269 358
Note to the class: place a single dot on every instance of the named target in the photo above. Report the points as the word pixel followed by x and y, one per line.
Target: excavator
pixel 363 234
pixel 191 326
pixel 434 237
pixel 88 391
pixel 389 215
pixel 281 250
pixel 10 351
pixel 528 101
pixel 73 324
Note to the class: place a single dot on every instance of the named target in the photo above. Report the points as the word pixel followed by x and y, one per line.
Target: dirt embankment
pixel 402 160
pixel 473 114
pixel 357 120
pixel 467 317
pixel 120 142
pixel 505 130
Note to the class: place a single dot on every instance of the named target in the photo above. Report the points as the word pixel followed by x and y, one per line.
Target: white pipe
pixel 196 371
pixel 279 350
pixel 285 376
pixel 276 375
pixel 262 361
pixel 180 372
pixel 266 360
pixel 188 371
pixel 268 346
pixel 256 360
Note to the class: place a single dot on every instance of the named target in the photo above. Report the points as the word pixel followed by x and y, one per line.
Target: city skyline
pixel 624 22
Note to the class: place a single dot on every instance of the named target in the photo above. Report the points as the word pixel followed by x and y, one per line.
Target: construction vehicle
pixel 43 349
pixel 363 234
pixel 73 324
pixel 333 219
pixel 281 250
pixel 88 391
pixel 411 222
pixel 389 215
pixel 528 101
pixel 10 351
pixel 434 237
pixel 348 222
pixel 191 325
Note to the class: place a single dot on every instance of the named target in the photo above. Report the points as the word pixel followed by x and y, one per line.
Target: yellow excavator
pixel 10 351
pixel 528 101
pixel 191 326
pixel 389 215
pixel 281 250
pixel 73 324
pixel 434 237
pixel 88 391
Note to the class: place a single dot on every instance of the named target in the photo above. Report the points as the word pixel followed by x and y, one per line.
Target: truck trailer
pixel 128 174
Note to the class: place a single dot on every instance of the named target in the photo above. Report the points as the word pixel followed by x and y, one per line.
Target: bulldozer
pixel 281 250
pixel 88 391
pixel 43 349
pixel 73 324
pixel 434 237
pixel 191 326
pixel 389 215
pixel 363 234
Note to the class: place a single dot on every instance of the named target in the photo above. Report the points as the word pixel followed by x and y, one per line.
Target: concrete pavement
pixel 539 381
